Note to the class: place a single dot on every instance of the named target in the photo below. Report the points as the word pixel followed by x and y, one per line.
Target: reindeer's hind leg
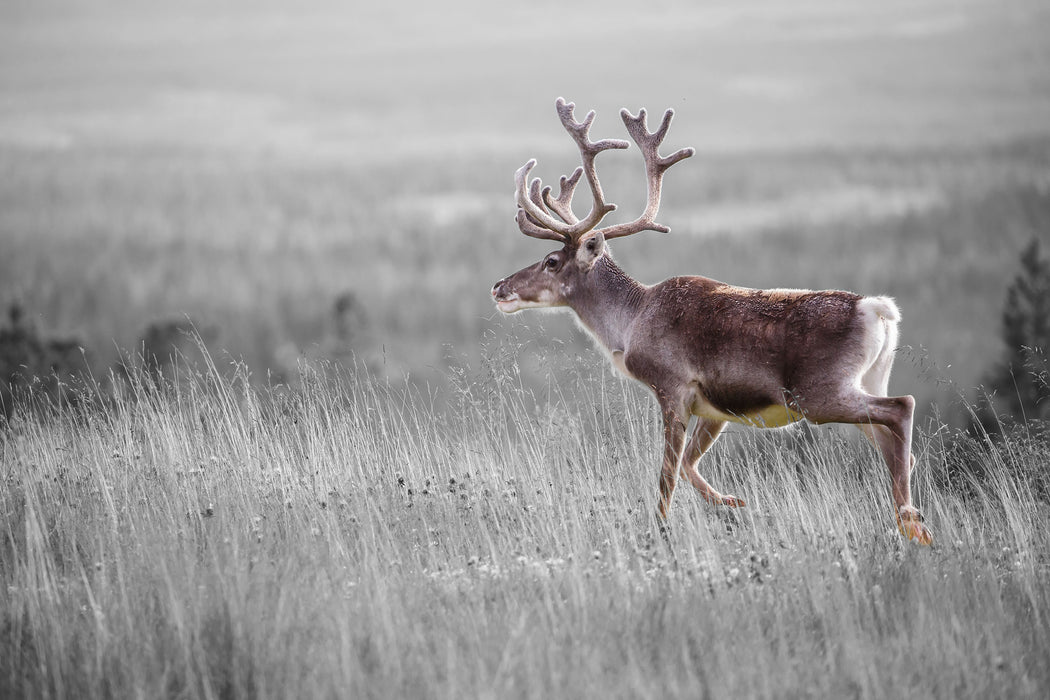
pixel 888 421
pixel 895 446
pixel 704 435
pixel 894 442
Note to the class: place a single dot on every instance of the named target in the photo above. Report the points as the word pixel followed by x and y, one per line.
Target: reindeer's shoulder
pixel 684 289
pixel 677 300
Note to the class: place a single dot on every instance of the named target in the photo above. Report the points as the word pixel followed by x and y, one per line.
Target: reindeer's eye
pixel 550 263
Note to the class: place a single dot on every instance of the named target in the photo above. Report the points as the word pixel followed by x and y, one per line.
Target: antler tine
pixel 526 222
pixel 530 228
pixel 655 167
pixel 535 209
pixel 562 204
pixel 540 196
pixel 535 192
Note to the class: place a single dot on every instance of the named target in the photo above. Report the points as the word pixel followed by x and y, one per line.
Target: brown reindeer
pixel 764 358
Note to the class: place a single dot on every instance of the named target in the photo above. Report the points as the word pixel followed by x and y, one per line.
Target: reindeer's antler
pixel 536 204
pixel 655 167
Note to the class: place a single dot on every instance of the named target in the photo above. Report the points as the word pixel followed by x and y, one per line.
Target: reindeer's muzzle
pixel 506 301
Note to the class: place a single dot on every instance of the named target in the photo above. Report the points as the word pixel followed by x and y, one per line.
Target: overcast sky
pixel 367 79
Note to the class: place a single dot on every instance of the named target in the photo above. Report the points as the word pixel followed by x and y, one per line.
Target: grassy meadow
pixel 374 485
pixel 344 539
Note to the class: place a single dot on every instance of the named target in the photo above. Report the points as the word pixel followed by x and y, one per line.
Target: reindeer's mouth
pixel 512 303
pixel 509 304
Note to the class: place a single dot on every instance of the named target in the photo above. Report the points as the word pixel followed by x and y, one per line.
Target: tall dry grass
pixel 215 539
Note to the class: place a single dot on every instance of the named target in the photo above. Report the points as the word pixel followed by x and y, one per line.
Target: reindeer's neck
pixel 607 302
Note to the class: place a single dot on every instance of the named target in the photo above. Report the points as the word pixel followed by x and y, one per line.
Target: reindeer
pixel 763 358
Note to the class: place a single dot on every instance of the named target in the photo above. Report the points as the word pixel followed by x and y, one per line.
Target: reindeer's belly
pixel 773 415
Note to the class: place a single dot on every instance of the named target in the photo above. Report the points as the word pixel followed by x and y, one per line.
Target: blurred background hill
pixel 333 179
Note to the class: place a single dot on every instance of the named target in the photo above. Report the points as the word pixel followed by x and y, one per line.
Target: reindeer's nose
pixel 497 289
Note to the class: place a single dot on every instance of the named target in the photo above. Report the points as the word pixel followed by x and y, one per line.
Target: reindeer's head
pixel 552 281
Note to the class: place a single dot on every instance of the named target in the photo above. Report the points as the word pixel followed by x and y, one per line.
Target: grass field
pixel 214 541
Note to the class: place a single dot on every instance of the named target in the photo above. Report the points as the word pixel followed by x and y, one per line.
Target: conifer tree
pixel 1021 380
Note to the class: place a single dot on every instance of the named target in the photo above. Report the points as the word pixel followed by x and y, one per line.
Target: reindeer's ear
pixel 591 248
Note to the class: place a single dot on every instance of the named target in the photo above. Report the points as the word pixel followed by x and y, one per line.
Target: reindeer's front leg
pixel 704 435
pixel 674 442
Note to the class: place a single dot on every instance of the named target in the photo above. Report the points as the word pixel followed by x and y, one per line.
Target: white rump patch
pixel 883 307
pixel 880 315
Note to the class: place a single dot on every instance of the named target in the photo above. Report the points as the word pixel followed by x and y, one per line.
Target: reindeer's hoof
pixel 909 522
pixel 719 500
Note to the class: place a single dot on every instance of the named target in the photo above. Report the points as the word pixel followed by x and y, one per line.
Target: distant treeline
pixel 41 371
